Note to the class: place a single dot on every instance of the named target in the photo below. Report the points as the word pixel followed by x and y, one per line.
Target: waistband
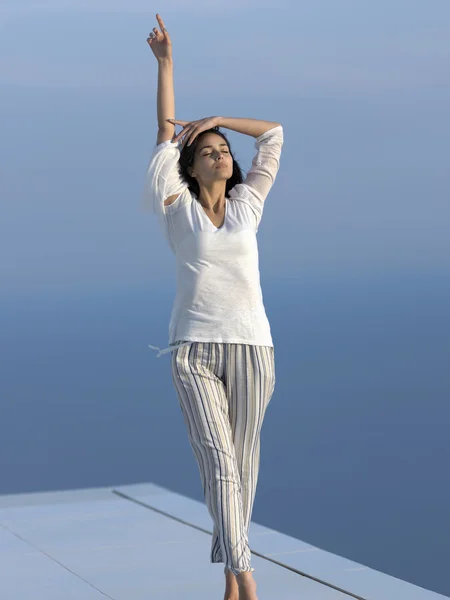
pixel 169 349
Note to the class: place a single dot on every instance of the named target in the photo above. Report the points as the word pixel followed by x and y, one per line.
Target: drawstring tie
pixel 169 349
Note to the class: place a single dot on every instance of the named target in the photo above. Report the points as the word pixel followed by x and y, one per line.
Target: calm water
pixel 355 445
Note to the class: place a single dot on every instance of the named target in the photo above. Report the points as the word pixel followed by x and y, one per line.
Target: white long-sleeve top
pixel 218 291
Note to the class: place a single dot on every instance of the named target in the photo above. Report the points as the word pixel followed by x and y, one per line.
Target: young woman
pixel 223 363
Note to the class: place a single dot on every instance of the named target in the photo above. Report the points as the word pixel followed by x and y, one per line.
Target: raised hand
pixel 191 129
pixel 159 41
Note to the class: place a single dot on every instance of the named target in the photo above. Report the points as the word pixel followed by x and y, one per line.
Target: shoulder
pixel 243 191
pixel 166 147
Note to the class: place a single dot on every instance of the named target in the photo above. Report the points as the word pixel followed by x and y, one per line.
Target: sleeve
pixel 163 179
pixel 261 175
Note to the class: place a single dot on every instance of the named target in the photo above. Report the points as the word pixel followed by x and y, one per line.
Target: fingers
pixel 164 31
pixel 182 133
pixel 160 21
pixel 154 35
pixel 158 34
pixel 192 137
pixel 191 134
pixel 178 122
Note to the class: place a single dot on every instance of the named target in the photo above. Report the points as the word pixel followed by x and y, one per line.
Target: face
pixel 212 160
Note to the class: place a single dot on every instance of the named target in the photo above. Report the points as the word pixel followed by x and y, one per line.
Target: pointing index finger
pixel 160 21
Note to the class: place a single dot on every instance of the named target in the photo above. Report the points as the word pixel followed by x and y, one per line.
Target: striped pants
pixel 223 391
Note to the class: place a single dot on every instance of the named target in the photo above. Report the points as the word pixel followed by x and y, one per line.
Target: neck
pixel 212 198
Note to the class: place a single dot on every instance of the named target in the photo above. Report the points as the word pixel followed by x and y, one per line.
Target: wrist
pixel 165 62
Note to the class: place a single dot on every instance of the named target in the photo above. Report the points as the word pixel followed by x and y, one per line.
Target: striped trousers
pixel 223 391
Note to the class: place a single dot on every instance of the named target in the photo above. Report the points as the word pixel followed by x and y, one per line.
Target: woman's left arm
pixel 191 129
pixel 253 127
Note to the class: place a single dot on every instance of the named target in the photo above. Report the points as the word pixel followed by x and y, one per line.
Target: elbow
pixel 165 133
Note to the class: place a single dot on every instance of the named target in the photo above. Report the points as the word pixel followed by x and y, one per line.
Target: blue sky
pixel 361 88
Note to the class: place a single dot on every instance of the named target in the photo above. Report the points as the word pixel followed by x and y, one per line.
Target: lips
pixel 221 166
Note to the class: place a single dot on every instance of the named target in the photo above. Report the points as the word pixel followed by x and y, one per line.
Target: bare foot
pixel 246 586
pixel 231 586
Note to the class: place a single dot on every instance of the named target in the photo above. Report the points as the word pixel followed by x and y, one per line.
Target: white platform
pixel 144 542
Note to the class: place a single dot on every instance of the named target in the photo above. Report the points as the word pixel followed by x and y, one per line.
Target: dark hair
pixel 187 160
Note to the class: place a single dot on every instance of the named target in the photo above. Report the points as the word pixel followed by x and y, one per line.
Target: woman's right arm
pixel 164 175
pixel 165 101
pixel 161 47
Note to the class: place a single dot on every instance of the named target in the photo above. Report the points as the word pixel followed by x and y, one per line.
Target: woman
pixel 223 364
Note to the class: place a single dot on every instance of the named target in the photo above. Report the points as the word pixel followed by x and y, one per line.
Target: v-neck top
pixel 218 291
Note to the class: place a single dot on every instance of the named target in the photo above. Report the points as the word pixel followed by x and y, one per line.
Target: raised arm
pixel 161 46
pixel 164 183
pixel 266 161
pixel 252 127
